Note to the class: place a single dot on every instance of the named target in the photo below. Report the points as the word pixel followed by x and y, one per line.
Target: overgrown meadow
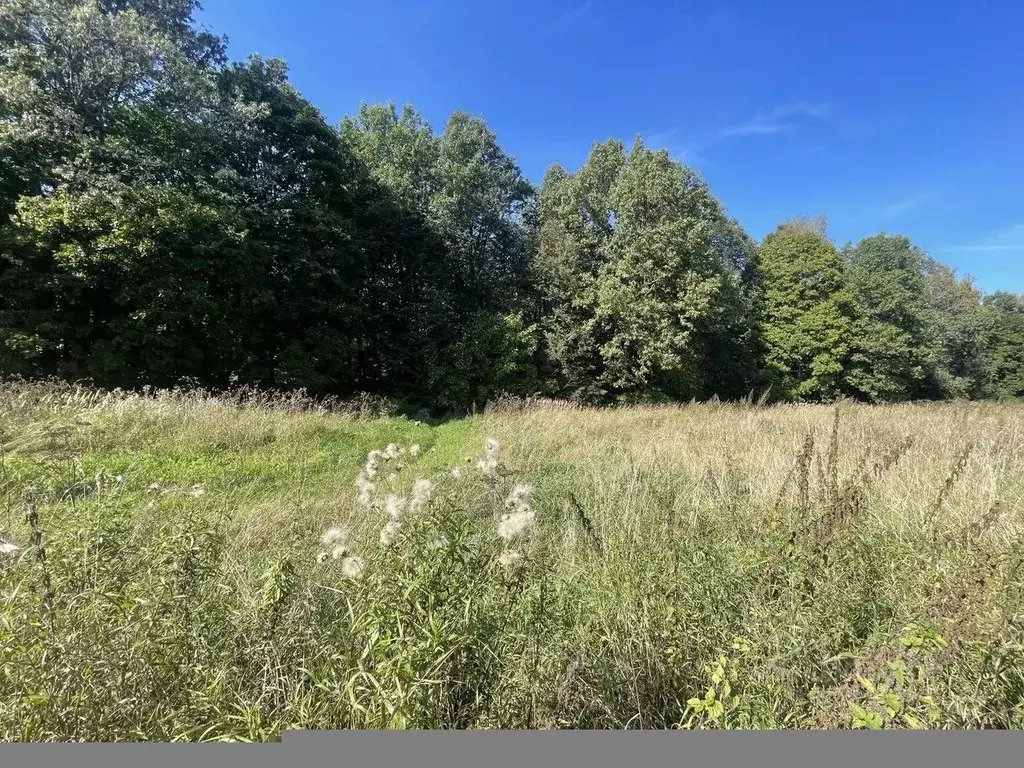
pixel 178 565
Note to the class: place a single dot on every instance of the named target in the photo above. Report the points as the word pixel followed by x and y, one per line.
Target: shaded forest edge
pixel 171 218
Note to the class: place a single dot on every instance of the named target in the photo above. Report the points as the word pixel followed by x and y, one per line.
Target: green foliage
pixel 956 322
pixel 894 349
pixel 167 215
pixel 496 357
pixel 1003 341
pixel 808 315
pixel 634 252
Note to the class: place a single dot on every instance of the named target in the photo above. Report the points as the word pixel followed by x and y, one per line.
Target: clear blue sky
pixel 886 116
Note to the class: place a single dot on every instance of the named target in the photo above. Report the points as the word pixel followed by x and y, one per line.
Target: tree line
pixel 169 215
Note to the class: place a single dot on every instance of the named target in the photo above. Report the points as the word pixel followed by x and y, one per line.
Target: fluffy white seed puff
pixel 352 567
pixel 395 506
pixel 392 451
pixel 335 538
pixel 414 450
pixel 421 491
pixel 508 559
pixel 520 497
pixel 372 465
pixel 521 515
pixel 492 448
pixel 365 489
pixel 492 452
pixel 6 548
pixel 516 524
pixel 390 533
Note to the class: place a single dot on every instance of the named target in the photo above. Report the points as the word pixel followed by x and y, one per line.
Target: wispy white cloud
pixel 574 14
pixel 782 118
pixel 907 204
pixel 1004 241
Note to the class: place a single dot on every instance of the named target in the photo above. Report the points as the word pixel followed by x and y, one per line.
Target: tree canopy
pixel 167 215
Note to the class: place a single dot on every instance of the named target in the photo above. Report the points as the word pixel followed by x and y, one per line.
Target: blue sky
pixel 885 116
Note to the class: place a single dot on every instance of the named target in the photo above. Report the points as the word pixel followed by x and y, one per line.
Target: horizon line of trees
pixel 166 214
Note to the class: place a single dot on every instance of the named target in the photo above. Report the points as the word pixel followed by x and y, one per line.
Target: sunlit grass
pixel 709 566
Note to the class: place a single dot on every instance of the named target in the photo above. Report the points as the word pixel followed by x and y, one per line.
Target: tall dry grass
pixel 702 566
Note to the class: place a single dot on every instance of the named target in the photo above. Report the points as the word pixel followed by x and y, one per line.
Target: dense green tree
pixel 894 353
pixel 633 249
pixel 88 91
pixel 460 212
pixel 956 321
pixel 808 313
pixel 1003 344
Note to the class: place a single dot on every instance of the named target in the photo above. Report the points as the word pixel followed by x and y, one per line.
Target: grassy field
pixel 180 566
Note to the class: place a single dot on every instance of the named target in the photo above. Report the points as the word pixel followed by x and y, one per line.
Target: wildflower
pixel 352 567
pixel 372 464
pixel 335 536
pixel 421 491
pixel 516 523
pixel 414 450
pixel 508 559
pixel 6 548
pixel 520 497
pixel 492 448
pixel 390 533
pixel 457 473
pixel 365 488
pixel 492 451
pixel 395 506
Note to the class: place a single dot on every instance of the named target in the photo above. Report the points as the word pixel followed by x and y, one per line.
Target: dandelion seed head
pixel 492 448
pixel 508 559
pixel 392 451
pixel 365 488
pixel 352 567
pixel 421 491
pixel 372 464
pixel 520 497
pixel 516 523
pixel 335 536
pixel 390 533
pixel 395 506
